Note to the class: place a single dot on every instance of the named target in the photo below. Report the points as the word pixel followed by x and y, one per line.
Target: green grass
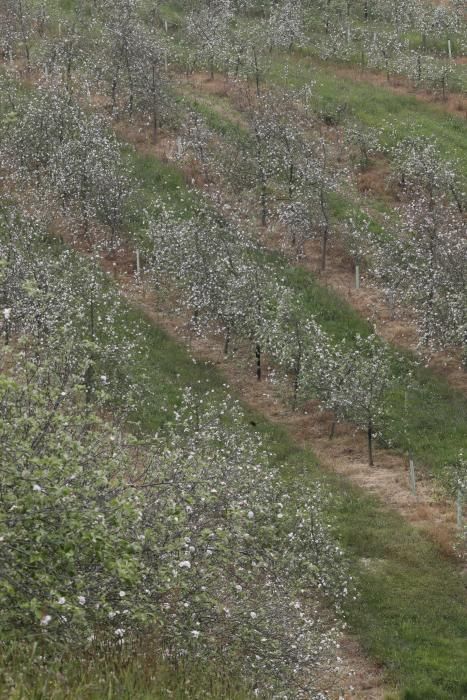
pixel 156 184
pixel 136 673
pixel 375 106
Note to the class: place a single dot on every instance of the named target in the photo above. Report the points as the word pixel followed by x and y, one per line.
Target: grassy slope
pixel 435 427
pixel 396 114
pixel 411 614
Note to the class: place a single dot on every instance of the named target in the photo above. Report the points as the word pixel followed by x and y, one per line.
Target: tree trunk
pixel 295 390
pixel 114 95
pixel 324 247
pixel 227 341
pixel 324 240
pixel 258 361
pixel 89 373
pixel 264 209
pixel 370 443
pixel 257 76
pixel 155 112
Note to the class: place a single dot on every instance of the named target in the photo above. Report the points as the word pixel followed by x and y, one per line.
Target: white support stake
pixel 138 264
pixel 449 48
pixel 166 26
pixel 413 483
pixel 357 276
pixel 459 514
pixel 46 71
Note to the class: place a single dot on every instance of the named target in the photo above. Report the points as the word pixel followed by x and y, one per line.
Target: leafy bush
pixel 192 535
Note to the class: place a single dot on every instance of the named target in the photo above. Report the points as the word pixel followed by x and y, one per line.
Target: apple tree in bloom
pixel 386 50
pixel 130 63
pixel 52 145
pixel 353 381
pixel 64 308
pixel 201 539
pixel 425 269
pixel 63 51
pixel 18 19
pixel 249 52
pixel 219 282
pixel 369 378
pixel 365 140
pixel 292 341
pixel 249 561
pixel 421 170
pixel 207 29
pixel 286 25
pixel 196 143
pixel 308 215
